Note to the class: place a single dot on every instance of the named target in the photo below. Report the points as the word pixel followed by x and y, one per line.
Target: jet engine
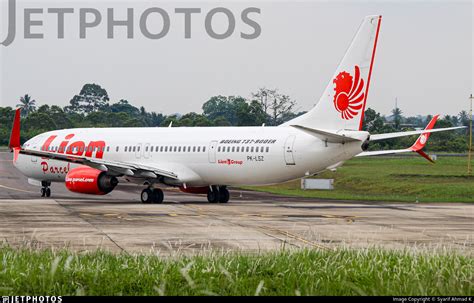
pixel 87 180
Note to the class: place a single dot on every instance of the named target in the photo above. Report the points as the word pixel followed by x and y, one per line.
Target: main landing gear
pixel 152 196
pixel 218 194
pixel 45 190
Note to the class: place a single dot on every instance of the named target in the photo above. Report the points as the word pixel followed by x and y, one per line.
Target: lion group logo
pixel 349 94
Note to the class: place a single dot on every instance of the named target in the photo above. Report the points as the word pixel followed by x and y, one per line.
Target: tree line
pixel 92 108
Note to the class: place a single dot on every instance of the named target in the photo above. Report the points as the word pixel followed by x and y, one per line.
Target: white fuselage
pixel 198 156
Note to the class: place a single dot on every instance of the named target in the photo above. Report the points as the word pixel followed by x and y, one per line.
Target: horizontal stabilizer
pixel 326 135
pixel 417 147
pixel 410 133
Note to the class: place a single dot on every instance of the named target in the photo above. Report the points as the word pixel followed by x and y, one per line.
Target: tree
pixel 39 122
pixel 373 122
pixel 123 106
pixel 221 121
pixel 249 114
pixel 274 104
pixel 219 106
pixel 27 105
pixel 397 117
pixel 281 105
pixel 263 95
pixel 463 118
pixel 170 119
pixel 92 98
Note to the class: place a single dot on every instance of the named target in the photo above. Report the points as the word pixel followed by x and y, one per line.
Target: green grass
pixel 407 179
pixel 305 272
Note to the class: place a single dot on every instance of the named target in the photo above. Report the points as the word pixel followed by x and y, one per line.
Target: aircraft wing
pixel 122 168
pixel 128 169
pixel 417 147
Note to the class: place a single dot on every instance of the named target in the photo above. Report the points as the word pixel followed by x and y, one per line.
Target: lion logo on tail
pixel 349 94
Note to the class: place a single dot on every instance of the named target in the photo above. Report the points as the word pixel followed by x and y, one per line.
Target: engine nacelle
pixel 86 180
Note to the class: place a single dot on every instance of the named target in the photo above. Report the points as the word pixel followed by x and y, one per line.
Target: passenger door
pixel 289 145
pixel 212 152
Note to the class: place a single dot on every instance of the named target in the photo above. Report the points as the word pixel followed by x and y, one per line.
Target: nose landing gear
pixel 45 190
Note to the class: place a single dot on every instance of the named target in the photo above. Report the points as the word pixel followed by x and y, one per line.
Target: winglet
pixel 15 134
pixel 423 139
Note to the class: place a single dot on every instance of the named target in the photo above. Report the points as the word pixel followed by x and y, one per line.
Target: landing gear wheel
pixel 147 196
pixel 224 195
pixel 48 192
pixel 213 195
pixel 43 192
pixel 158 196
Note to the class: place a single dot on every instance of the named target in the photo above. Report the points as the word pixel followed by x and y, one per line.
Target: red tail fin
pixel 15 134
pixel 423 139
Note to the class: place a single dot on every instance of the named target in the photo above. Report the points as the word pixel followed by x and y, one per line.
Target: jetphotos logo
pixel 349 94
pixel 135 23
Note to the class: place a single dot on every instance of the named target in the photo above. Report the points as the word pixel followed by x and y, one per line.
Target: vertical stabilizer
pixel 343 102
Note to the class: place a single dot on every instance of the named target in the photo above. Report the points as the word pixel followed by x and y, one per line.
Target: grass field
pixel 306 272
pixel 407 179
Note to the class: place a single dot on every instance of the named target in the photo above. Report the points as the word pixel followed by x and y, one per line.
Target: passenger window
pixel 204 149
pixel 268 149
pixel 161 149
pixel 199 149
pixel 194 149
pixel 117 149
pixel 233 148
pixel 179 149
pixel 251 149
pixel 238 149
pixel 248 148
pixel 146 148
pixel 219 149
pixel 134 149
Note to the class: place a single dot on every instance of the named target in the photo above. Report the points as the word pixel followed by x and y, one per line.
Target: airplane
pixel 206 160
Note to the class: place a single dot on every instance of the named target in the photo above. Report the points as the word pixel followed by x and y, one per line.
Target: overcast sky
pixel 424 57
